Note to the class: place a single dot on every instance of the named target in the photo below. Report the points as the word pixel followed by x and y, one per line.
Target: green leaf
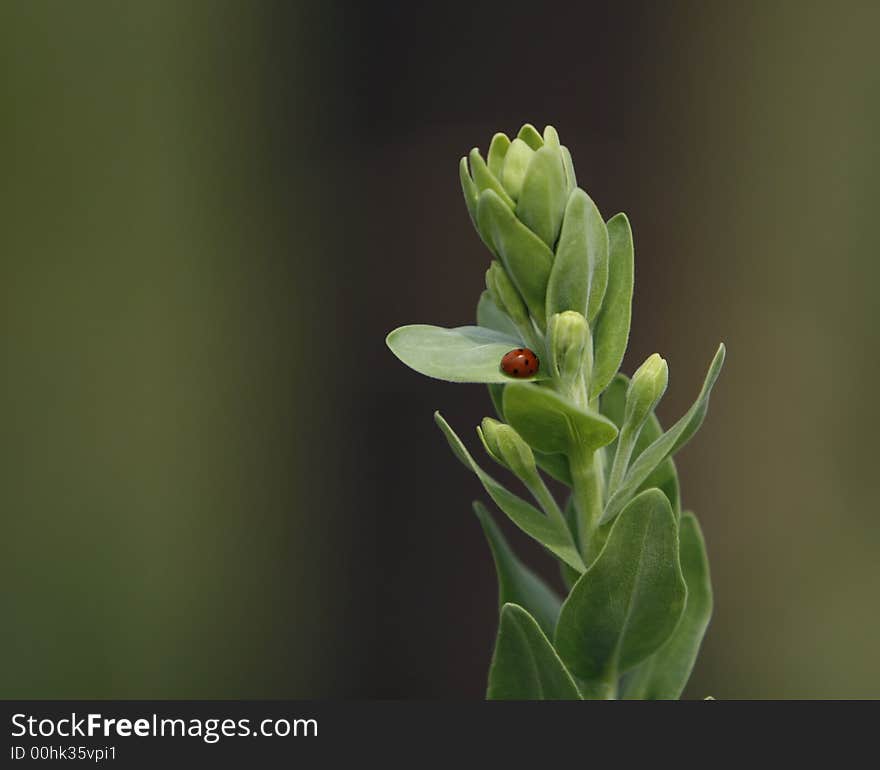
pixel 664 675
pixel 665 445
pixel 570 177
pixel 611 332
pixel 497 150
pixel 486 180
pixel 580 268
pixel 469 190
pixel 525 256
pixel 463 354
pixel 516 163
pixel 628 603
pixel 552 424
pixel 490 317
pixel 665 476
pixel 517 584
pixel 541 201
pixel 529 134
pixel 525 666
pixel 554 464
pixel 551 534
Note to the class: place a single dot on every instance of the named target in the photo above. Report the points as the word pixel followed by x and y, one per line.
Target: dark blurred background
pixel 215 480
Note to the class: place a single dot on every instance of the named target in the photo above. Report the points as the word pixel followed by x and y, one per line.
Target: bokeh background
pixel 215 481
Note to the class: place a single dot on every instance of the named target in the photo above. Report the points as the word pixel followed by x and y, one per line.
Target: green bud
pixel 516 163
pixel 645 389
pixel 505 295
pixel 507 447
pixel 571 346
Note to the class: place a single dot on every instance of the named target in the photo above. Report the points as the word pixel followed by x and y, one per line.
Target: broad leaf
pixel 525 256
pixel 525 666
pixel 489 316
pixel 664 675
pixel 611 332
pixel 551 534
pixel 552 424
pixel 517 584
pixel 581 262
pixel 463 354
pixel 628 603
pixel 665 476
pixel 541 201
pixel 665 445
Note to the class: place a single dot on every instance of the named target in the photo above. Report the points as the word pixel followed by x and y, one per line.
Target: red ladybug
pixel 521 362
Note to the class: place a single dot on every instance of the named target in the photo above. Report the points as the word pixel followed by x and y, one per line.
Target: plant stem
pixel 587 489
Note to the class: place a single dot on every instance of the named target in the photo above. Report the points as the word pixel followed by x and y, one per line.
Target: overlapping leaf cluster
pixel 561 280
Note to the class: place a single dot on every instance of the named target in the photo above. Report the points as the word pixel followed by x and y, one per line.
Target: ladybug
pixel 521 362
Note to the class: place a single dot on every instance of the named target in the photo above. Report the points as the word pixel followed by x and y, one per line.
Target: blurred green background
pixel 214 479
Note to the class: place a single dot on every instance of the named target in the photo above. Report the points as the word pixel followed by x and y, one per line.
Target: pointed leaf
pixel 628 603
pixel 581 264
pixel 525 666
pixel 551 534
pixel 665 445
pixel 611 332
pixel 664 675
pixel 517 584
pixel 552 424
pixel 463 354
pixel 525 256
pixel 489 316
pixel 541 201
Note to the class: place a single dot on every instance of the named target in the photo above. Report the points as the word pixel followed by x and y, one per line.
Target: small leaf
pixel 541 201
pixel 525 256
pixel 628 603
pixel 525 666
pixel 469 189
pixel 463 354
pixel 611 332
pixel 529 134
pixel 497 150
pixel 490 317
pixel 552 424
pixel 551 534
pixel 516 163
pixel 517 584
pixel 665 445
pixel 664 675
pixel 570 176
pixel 486 180
pixel 581 263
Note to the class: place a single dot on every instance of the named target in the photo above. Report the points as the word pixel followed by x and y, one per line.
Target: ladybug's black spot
pixel 516 371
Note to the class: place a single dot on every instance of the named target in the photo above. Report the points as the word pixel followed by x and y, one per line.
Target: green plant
pixel 635 566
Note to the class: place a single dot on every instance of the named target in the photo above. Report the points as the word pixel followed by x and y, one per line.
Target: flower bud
pixel 505 295
pixel 508 448
pixel 645 389
pixel 571 346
